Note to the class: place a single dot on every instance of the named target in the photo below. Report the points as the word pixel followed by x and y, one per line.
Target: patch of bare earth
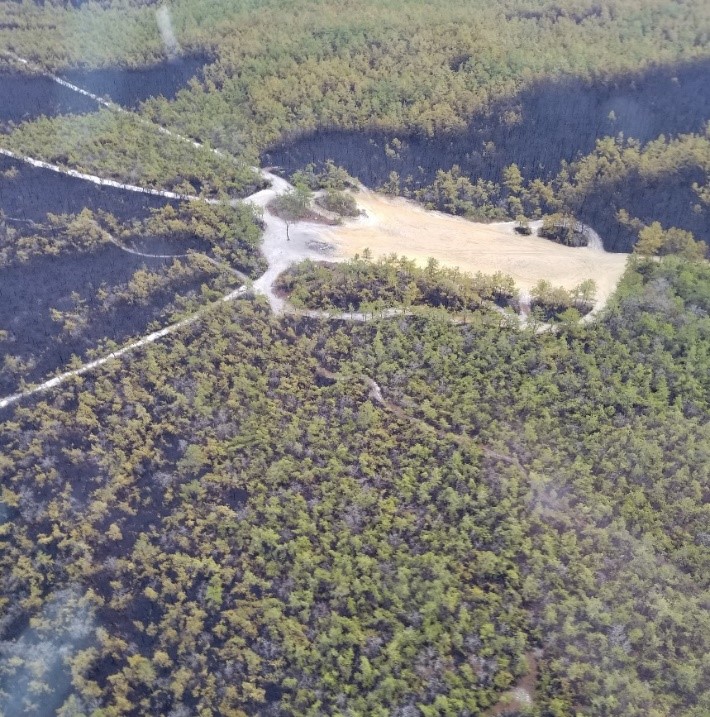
pixel 399 226
pixel 520 697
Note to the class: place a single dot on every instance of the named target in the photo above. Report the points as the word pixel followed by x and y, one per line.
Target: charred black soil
pixel 71 283
pixel 547 124
pixel 29 193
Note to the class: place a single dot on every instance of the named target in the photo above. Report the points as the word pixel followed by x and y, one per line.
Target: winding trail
pixel 62 82
pixel 19 220
pixel 308 240
pixel 112 239
pixel 149 339
pixel 305 243
pixel 141 120
pixel 376 395
pixel 279 254
pixel 108 104
pixel 94 179
pixel 129 250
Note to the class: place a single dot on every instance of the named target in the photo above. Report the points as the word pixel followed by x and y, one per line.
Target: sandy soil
pixel 403 227
pixel 306 241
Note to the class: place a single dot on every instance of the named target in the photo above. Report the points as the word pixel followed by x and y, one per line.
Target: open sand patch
pixel 394 225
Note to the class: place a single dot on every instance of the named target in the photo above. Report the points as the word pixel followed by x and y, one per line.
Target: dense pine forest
pixel 412 491
pixel 218 526
pixel 396 283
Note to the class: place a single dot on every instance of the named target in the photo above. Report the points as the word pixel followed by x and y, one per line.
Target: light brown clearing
pixel 520 697
pixel 402 227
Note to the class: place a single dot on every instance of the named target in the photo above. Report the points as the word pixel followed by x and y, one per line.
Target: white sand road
pixel 389 226
pixel 279 253
pixel 101 181
pixel 306 241
pixel 85 368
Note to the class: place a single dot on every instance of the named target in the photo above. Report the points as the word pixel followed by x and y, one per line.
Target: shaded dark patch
pixel 273 692
pixel 16 626
pixel 671 202
pixel 457 62
pixel 237 496
pixel 324 378
pixel 35 95
pixel 28 292
pixel 173 245
pixel 550 122
pixel 33 192
pixel 169 445
pixel 554 121
pixel 129 87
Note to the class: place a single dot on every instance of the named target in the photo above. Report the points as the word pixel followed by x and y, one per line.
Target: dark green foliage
pixel 553 302
pixel 329 177
pixel 620 187
pixel 563 229
pixel 351 575
pixel 339 202
pixel 264 516
pixel 456 194
pixel 286 68
pixel 258 535
pixel 624 186
pixel 116 145
pixel 655 241
pixel 67 287
pixel 608 420
pixel 522 225
pixel 413 69
pixel 294 204
pixel 20 241
pixel 230 233
pixel 397 65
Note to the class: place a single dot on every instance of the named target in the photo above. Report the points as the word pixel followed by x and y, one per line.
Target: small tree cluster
pixel 563 229
pixel 552 302
pixel 654 240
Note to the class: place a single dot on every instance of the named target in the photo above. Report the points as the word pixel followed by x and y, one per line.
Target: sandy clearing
pixel 305 241
pixel 390 226
pixel 403 227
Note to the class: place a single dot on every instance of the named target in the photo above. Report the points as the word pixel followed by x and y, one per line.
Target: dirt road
pixel 100 181
pixel 306 241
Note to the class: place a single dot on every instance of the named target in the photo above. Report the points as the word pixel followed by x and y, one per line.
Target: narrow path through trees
pixel 85 368
pixel 219 264
pixel 94 179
